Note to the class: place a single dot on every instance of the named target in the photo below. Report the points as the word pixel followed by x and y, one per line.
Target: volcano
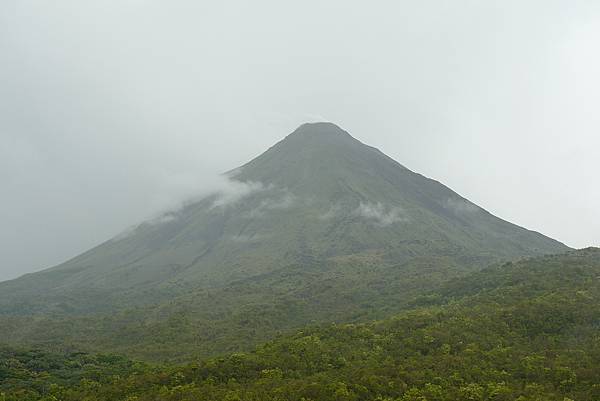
pixel 320 223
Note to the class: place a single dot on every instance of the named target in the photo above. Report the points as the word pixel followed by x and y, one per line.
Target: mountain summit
pixel 316 152
pixel 318 207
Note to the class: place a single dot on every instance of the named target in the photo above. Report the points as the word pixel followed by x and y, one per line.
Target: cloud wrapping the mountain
pixel 231 191
pixel 286 201
pixel 380 214
pixel 226 191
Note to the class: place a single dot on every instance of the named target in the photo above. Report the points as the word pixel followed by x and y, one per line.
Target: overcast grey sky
pixel 113 110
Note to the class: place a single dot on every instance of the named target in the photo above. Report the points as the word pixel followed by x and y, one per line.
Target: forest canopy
pixel 520 331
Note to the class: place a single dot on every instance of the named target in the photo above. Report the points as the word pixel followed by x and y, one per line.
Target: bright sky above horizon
pixel 113 110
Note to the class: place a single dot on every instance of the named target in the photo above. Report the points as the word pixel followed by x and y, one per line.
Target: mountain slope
pixel 519 331
pixel 316 196
pixel 318 228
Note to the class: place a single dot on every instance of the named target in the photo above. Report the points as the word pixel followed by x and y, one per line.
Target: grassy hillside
pixel 528 331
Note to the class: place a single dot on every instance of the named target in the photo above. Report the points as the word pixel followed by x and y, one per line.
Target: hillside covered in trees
pixel 526 330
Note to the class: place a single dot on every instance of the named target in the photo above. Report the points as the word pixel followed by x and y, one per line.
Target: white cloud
pixel 225 190
pixel 286 201
pixel 231 191
pixel 380 214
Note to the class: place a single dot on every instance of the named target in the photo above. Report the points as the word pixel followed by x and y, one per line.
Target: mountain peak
pixel 319 128
pixel 312 154
pixel 318 132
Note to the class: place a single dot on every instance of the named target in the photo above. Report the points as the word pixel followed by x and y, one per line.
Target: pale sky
pixel 113 110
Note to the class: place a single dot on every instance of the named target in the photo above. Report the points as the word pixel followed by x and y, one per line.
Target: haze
pixel 112 111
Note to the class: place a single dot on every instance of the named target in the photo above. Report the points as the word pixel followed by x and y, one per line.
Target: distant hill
pixel 318 228
pixel 523 331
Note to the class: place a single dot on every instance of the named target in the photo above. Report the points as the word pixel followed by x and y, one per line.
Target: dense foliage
pixel 26 374
pixel 521 331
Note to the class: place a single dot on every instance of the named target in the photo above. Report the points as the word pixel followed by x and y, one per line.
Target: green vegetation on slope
pixel 240 316
pixel 528 331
